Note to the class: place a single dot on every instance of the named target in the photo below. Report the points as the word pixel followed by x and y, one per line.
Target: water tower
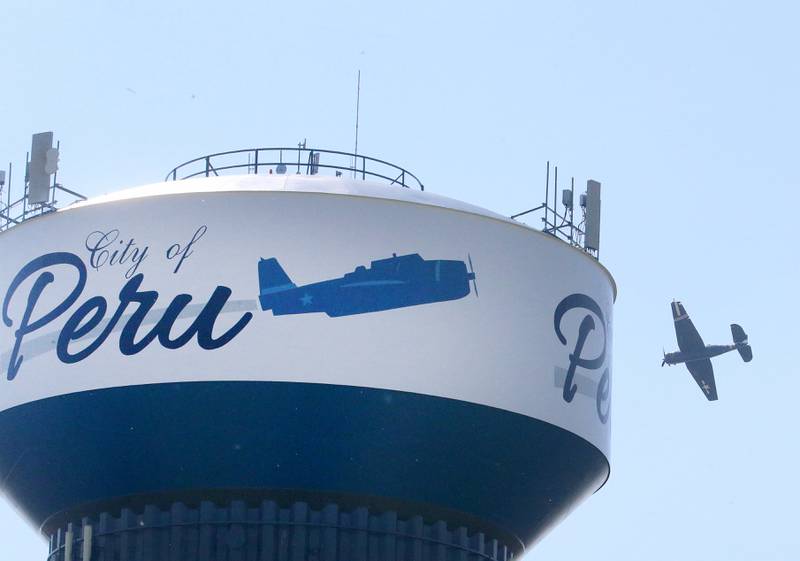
pixel 297 354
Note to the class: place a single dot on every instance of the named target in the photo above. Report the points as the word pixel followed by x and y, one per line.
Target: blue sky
pixel 687 112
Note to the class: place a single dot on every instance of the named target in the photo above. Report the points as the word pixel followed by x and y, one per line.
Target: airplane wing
pixel 703 374
pixel 689 340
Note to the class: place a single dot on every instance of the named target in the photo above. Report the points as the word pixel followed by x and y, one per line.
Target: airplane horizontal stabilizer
pixel 746 351
pixel 739 336
pixel 740 339
pixel 273 281
pixel 272 277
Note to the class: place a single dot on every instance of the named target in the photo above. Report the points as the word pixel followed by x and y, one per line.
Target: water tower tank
pixel 298 366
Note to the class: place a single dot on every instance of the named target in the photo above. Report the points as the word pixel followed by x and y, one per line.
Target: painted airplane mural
pixel 395 282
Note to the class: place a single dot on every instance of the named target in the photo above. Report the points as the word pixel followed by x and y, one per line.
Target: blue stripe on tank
pixel 512 471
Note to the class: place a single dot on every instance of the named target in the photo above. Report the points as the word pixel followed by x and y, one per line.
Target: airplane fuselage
pixel 396 282
pixel 709 351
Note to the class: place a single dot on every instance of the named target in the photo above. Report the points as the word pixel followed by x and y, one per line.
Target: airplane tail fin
pixel 740 339
pixel 272 279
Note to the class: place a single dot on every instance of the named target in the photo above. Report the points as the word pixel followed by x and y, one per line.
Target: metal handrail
pixel 372 167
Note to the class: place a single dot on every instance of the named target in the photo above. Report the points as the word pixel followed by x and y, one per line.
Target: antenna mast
pixel 358 104
pixel 40 187
pixel 585 235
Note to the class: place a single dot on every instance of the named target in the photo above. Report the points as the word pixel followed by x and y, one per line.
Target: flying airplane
pixel 395 282
pixel 696 354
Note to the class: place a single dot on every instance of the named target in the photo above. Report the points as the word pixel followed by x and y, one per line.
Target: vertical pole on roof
pixel 358 107
pixel 546 195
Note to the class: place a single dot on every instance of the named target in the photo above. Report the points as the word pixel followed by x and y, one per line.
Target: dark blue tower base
pixel 266 532
pixel 500 474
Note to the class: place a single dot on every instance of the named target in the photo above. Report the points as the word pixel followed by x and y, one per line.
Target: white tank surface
pixel 266 333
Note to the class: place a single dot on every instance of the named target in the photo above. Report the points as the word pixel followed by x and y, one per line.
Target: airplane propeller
pixel 664 360
pixel 472 271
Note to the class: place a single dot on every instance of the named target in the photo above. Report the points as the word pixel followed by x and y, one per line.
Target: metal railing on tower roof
pixel 299 160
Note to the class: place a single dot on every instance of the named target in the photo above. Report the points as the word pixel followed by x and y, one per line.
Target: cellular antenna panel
pixel 592 240
pixel 38 176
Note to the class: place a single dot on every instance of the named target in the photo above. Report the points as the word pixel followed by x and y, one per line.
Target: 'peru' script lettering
pixel 576 358
pixel 91 313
